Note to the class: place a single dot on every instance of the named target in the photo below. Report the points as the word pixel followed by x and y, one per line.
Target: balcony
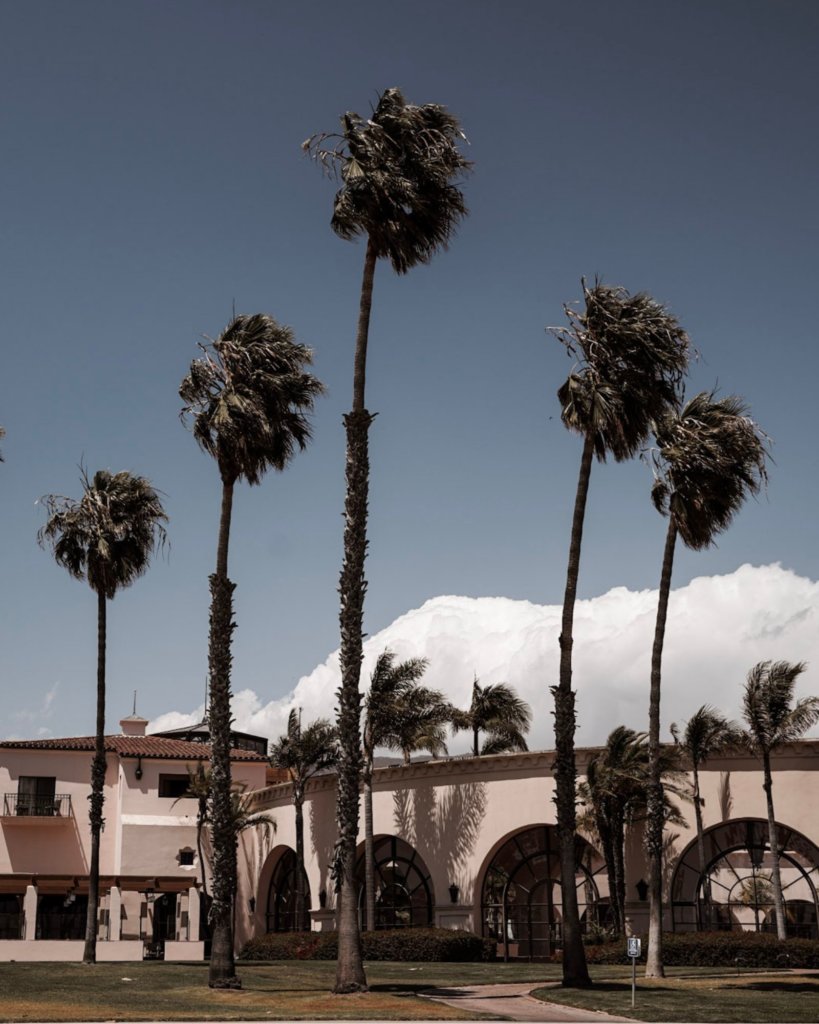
pixel 25 808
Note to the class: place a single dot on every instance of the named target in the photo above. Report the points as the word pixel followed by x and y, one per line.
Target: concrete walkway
pixel 513 1002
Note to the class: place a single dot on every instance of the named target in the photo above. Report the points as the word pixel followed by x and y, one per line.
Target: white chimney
pixel 133 725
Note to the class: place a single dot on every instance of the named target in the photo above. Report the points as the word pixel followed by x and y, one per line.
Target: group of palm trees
pixel 248 399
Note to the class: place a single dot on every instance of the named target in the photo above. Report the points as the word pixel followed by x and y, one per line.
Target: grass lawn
pixel 286 989
pixel 696 996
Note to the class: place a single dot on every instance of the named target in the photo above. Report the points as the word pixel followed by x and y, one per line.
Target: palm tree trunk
pixel 606 842
pixel 655 804
pixel 773 840
pixel 222 965
pixel 350 975
pixel 476 750
pixel 200 824
pixel 575 971
pixel 706 888
pixel 369 866
pixel 618 850
pixel 302 923
pixel 89 955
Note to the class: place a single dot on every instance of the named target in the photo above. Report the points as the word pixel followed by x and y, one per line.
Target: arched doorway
pixel 281 897
pixel 403 888
pixel 734 892
pixel 521 901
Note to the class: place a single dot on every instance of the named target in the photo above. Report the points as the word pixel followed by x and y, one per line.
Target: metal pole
pixel 633 978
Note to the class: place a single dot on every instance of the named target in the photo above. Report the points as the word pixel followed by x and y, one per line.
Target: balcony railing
pixel 22 805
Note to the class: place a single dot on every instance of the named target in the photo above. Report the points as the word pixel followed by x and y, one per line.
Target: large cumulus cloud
pixel 718 627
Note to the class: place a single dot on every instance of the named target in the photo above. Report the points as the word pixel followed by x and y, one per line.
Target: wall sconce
pixel 138 772
pixel 642 890
pixel 252 904
pixel 454 893
pixel 322 898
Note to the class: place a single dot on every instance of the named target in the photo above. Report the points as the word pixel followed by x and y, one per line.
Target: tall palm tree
pixel 710 456
pixel 614 795
pixel 498 712
pixel 707 733
pixel 631 357
pixel 2 435
pixel 383 710
pixel 302 753
pixel 774 719
pixel 398 170
pixel 106 538
pixel 248 398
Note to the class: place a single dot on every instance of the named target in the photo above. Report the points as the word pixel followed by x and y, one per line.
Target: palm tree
pixel 106 538
pixel 2 435
pixel 199 788
pixel 710 456
pixel 398 171
pixel 497 711
pixel 302 753
pixel 614 794
pixel 632 355
pixel 383 711
pixel 248 398
pixel 773 719
pixel 707 733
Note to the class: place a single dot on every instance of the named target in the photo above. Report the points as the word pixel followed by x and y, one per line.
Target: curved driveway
pixel 514 1003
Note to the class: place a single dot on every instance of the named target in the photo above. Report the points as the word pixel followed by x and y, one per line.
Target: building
pixel 150 871
pixel 463 842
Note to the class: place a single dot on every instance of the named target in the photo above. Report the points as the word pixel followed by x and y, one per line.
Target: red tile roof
pixel 135 746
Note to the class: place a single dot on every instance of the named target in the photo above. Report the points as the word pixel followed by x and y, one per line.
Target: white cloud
pixel 44 710
pixel 718 627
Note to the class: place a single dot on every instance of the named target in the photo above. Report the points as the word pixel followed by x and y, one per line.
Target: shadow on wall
pixel 443 825
pixel 323 831
pixel 726 801
pixel 64 855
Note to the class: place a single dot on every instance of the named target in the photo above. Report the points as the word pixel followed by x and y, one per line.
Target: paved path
pixel 514 1002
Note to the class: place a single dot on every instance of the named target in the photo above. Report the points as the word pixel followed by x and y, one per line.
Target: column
pixel 30 913
pixel 114 914
pixel 193 914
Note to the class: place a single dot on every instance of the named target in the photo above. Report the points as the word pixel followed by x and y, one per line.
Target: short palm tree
pixel 385 715
pixel 497 712
pixel 398 170
pixel 199 788
pixel 106 538
pixel 613 796
pixel 710 456
pixel 302 753
pixel 631 357
pixel 774 719
pixel 248 399
pixel 707 733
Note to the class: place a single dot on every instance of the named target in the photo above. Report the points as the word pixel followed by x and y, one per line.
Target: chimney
pixel 133 725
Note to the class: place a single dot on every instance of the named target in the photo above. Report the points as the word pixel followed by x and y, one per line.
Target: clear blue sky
pixel 152 176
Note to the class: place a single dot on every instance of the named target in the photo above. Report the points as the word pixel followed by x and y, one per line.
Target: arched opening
pixel 403 888
pixel 281 897
pixel 734 892
pixel 521 901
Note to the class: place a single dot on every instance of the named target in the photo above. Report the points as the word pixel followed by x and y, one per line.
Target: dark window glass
pixel 173 785
pixel 186 857
pixel 35 795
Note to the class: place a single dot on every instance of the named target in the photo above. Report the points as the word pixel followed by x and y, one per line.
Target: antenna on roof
pixel 134 711
pixel 207 699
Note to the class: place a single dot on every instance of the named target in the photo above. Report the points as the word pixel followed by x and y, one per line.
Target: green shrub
pixel 715 949
pixel 426 944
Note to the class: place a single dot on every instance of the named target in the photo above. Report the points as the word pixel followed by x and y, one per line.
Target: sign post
pixel 633 949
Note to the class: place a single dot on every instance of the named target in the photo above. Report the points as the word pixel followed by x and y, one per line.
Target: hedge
pixel 716 949
pixel 426 944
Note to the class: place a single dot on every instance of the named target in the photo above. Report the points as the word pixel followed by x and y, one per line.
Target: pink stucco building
pixel 461 842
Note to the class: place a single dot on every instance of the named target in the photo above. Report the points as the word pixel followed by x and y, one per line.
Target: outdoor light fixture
pixel 252 904
pixel 138 772
pixel 322 898
pixel 454 893
pixel 642 890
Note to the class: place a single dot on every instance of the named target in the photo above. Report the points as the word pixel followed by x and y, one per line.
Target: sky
pixel 152 180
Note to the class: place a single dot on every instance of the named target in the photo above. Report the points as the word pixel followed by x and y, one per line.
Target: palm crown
pixel 108 536
pixel 397 712
pixel 303 752
pixel 497 711
pixel 710 456
pixel 768 707
pixel 707 732
pixel 632 355
pixel 398 170
pixel 249 397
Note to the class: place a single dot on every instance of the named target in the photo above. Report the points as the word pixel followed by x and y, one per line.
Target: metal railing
pixel 18 805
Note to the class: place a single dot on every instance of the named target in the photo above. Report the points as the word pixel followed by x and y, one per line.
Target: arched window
pixel 281 897
pixel 735 891
pixel 521 902
pixel 403 889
